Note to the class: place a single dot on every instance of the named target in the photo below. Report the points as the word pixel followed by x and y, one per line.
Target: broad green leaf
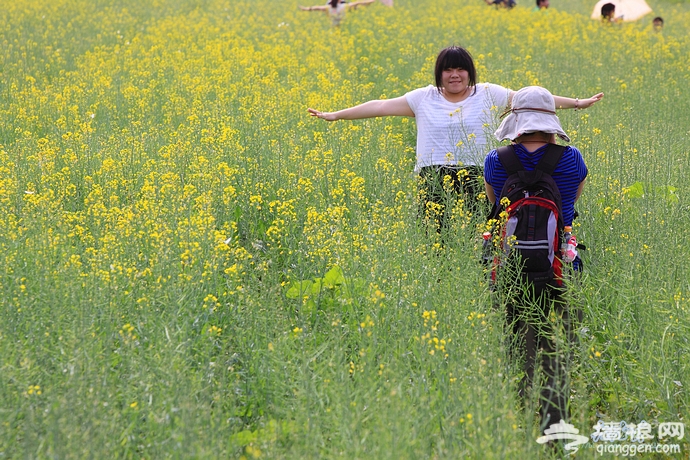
pixel 636 190
pixel 299 288
pixel 334 277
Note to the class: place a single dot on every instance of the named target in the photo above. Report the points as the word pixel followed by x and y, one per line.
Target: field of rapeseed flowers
pixel 190 266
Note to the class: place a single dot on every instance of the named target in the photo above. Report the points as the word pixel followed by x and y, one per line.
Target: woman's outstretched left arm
pixel 354 5
pixel 568 102
pixel 576 103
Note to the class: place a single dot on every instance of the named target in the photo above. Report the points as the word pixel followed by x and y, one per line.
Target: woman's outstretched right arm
pixel 314 8
pixel 378 108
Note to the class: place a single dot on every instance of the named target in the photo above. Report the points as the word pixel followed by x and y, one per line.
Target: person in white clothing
pixel 453 120
pixel 336 8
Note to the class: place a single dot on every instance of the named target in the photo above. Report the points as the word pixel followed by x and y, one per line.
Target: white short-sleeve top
pixel 338 13
pixel 455 133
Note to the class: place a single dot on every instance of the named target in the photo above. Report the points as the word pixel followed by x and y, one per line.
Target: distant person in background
pixel 658 23
pixel 336 8
pixel 542 5
pixel 608 13
pixel 502 3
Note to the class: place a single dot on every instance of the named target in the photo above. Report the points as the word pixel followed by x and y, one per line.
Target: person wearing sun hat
pixel 531 125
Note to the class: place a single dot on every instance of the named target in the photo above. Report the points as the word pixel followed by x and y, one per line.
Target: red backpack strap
pixel 509 159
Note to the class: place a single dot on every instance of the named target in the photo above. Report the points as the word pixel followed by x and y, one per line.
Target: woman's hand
pixel 328 116
pixel 584 103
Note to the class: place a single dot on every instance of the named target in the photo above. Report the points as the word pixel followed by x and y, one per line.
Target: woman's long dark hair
pixel 455 57
pixel 334 3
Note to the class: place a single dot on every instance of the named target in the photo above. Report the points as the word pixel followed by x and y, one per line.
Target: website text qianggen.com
pixel 630 450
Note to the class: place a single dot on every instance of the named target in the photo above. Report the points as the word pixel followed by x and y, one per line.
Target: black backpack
pixel 534 222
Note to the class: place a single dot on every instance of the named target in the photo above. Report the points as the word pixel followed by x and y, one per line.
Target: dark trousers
pixel 440 188
pixel 541 328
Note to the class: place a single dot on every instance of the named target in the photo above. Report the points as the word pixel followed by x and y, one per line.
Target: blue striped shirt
pixel 569 172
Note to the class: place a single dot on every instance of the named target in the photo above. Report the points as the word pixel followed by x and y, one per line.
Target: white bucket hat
pixel 533 109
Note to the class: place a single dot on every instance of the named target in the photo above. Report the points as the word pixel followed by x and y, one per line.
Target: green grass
pixel 192 267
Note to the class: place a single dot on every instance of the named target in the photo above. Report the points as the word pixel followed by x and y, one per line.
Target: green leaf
pixel 669 192
pixel 636 190
pixel 334 277
pixel 299 288
pixel 316 286
pixel 245 437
